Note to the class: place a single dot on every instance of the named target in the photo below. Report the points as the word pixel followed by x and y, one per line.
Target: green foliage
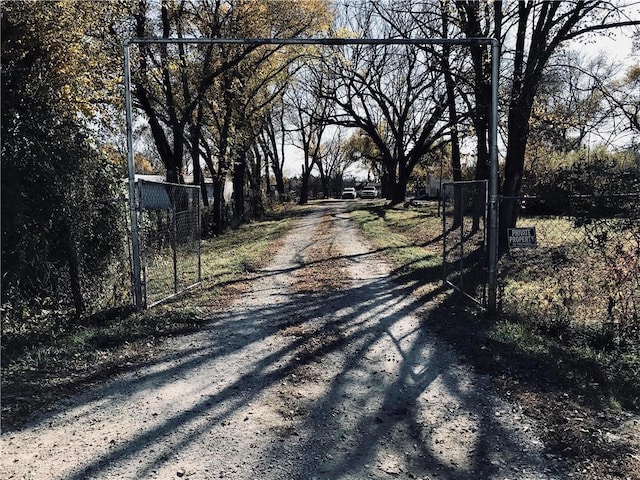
pixel 58 227
pixel 604 185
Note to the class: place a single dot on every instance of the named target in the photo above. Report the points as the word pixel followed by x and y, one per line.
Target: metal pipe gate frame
pixel 493 129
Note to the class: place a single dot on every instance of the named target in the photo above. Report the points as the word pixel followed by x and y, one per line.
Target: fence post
pixel 444 233
pixel 135 247
pixel 175 197
pixel 493 180
pixel 461 213
pixel 199 231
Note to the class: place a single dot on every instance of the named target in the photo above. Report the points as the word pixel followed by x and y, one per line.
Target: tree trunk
pixel 472 26
pixel 514 168
pixel 267 175
pixel 257 207
pixel 304 188
pixel 218 204
pixel 456 166
pixel 277 155
pixel 400 189
pixel 324 181
pixel 278 175
pixel 389 179
pixel 195 131
pixel 239 168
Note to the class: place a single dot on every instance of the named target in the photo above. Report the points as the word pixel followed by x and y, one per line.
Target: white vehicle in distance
pixel 369 191
pixel 349 192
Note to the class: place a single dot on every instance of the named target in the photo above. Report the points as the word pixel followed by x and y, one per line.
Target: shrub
pixel 60 228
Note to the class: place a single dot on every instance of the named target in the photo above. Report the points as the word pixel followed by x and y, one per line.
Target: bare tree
pixel 530 32
pixel 310 112
pixel 334 162
pixel 623 96
pixel 393 93
pixel 571 106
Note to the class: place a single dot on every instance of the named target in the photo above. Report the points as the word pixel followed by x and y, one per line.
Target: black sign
pixel 522 237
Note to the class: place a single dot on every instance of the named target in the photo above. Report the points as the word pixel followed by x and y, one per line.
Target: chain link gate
pixel 464 233
pixel 169 237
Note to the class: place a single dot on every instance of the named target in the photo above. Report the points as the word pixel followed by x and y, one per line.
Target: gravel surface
pixel 322 370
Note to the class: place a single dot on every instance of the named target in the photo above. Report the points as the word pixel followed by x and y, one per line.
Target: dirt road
pixel 322 370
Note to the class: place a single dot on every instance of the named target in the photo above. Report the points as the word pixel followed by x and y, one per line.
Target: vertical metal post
pixel 175 194
pixel 485 239
pixel 444 236
pixel 493 178
pixel 135 247
pixel 141 242
pixel 462 200
pixel 199 234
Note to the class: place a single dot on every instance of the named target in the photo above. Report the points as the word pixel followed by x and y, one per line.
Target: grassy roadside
pixel 583 397
pixel 54 358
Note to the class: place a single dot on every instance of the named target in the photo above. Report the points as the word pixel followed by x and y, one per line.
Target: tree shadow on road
pixel 375 409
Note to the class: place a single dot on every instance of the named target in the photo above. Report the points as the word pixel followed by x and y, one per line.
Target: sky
pixel 618 46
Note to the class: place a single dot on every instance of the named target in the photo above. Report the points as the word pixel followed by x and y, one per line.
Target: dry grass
pixel 583 277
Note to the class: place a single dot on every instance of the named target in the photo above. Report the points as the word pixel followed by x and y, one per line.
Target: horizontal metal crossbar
pixel 317 41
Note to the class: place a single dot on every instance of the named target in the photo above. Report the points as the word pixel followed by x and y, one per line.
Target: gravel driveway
pixel 321 370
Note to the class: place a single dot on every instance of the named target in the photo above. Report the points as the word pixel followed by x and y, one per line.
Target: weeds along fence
pixel 114 286
pixel 169 237
pixel 585 269
pixel 78 273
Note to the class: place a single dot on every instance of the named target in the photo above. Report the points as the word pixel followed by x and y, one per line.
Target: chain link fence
pixel 465 238
pixel 85 274
pixel 169 235
pixel 585 268
pixel 113 291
